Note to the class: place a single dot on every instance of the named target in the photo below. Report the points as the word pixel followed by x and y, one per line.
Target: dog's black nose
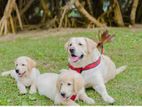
pixel 17 71
pixel 63 94
pixel 71 50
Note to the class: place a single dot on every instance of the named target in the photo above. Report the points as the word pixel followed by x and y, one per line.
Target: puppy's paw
pixel 32 91
pixel 90 101
pixel 74 104
pixel 23 91
pixel 57 102
pixel 109 99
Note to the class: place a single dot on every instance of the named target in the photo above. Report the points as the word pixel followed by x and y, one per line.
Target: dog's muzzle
pixel 75 58
pixel 63 95
pixel 19 74
pixel 72 50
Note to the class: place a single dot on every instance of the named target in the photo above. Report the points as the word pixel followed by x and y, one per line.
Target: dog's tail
pixel 121 69
pixel 6 73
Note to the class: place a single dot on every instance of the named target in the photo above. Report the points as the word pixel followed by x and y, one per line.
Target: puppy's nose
pixel 63 94
pixel 17 71
pixel 71 50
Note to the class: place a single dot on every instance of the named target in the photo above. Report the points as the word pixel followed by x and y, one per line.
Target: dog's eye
pixel 69 84
pixel 71 44
pixel 80 44
pixel 16 64
pixel 23 64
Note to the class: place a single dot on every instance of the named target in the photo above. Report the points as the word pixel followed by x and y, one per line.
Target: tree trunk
pixel 86 14
pixel 133 11
pixel 117 14
pixel 90 6
pixel 6 22
pixel 26 7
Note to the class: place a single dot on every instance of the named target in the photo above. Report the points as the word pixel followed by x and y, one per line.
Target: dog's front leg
pixel 101 89
pixel 58 99
pixel 21 87
pixel 84 97
pixel 32 88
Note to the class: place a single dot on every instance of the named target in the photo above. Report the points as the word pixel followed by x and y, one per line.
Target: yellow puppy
pixel 63 88
pixel 25 74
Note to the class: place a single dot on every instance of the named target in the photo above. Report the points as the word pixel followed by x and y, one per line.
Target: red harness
pixel 90 66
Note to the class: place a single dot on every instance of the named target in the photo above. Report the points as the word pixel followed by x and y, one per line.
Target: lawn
pixel 48 51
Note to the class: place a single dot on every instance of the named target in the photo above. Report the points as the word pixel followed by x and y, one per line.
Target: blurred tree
pixel 7 22
pixel 133 11
pixel 35 14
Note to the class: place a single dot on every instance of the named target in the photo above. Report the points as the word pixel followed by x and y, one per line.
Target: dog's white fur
pixel 98 76
pixel 27 74
pixel 52 85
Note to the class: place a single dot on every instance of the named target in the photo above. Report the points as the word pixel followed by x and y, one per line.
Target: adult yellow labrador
pixel 96 68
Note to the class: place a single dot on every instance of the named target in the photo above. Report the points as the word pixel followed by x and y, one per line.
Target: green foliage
pixel 50 55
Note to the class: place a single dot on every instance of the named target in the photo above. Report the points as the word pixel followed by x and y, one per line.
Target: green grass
pixel 50 56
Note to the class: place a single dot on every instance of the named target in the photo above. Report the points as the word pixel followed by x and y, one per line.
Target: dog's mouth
pixel 21 74
pixel 65 97
pixel 75 58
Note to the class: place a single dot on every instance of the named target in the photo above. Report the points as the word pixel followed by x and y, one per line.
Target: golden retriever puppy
pixel 25 74
pixel 63 88
pixel 96 68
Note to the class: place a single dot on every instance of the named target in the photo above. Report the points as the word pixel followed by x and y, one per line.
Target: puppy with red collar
pixel 25 74
pixel 96 68
pixel 64 88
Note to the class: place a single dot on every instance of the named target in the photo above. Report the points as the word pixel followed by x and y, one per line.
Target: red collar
pixel 73 97
pixel 90 66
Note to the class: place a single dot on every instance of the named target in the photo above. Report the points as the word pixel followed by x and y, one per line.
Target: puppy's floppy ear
pixel 90 45
pixel 66 45
pixel 58 84
pixel 31 63
pixel 78 83
pixel 15 61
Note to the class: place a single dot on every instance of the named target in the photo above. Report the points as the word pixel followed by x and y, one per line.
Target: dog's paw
pixel 57 102
pixel 109 99
pixel 90 101
pixel 73 104
pixel 32 91
pixel 23 91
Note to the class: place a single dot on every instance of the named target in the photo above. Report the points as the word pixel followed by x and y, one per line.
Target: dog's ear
pixel 66 45
pixel 91 45
pixel 15 61
pixel 31 63
pixel 58 84
pixel 78 83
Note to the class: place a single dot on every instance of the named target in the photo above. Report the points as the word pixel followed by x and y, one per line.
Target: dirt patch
pixel 42 33
pixel 35 34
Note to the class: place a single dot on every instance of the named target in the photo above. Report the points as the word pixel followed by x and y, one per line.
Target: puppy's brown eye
pixel 69 84
pixel 80 44
pixel 16 64
pixel 23 64
pixel 71 44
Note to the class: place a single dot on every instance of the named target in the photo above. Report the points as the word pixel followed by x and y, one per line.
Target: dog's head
pixel 24 65
pixel 69 83
pixel 79 47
